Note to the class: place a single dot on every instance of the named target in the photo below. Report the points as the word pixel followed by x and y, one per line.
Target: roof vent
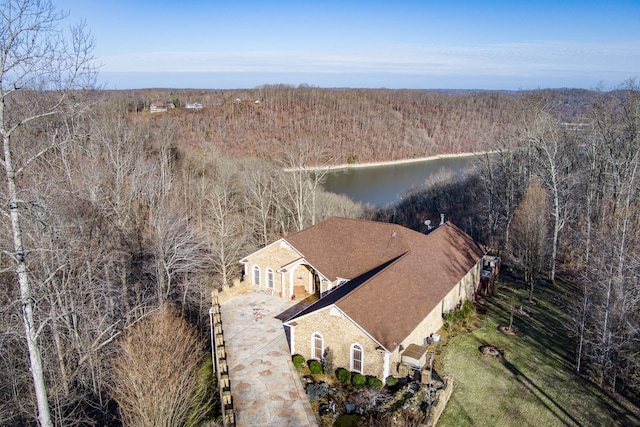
pixel 393 235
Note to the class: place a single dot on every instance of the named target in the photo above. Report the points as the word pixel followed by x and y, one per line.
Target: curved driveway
pixel 266 389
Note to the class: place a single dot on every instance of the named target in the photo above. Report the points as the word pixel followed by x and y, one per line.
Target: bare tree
pixel 305 169
pixel 613 270
pixel 504 177
pixel 259 182
pixel 226 224
pixel 34 56
pixel 555 156
pixel 148 386
pixel 528 242
pixel 178 248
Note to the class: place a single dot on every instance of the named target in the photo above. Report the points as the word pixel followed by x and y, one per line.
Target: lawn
pixel 534 384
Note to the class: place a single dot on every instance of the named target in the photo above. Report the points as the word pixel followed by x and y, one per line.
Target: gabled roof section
pixel 392 303
pixel 277 242
pixel 348 248
pixel 405 277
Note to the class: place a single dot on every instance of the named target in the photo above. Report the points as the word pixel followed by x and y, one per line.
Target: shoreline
pixel 390 162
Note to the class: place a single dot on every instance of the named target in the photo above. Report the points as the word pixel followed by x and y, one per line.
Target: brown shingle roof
pixel 391 303
pixel 346 248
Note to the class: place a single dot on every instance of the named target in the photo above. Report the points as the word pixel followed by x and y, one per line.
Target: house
pixel 157 107
pixel 381 287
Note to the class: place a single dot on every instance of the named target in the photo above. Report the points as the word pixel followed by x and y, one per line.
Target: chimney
pixel 441 219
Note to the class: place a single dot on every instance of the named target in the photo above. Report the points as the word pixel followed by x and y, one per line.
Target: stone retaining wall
pixel 221 366
pixel 444 397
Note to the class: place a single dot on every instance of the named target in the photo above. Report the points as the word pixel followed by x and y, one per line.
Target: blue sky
pixel 393 44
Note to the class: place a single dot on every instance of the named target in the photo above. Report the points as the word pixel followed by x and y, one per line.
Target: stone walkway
pixel 266 389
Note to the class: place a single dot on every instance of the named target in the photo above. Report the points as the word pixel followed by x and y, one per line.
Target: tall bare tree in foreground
pixel 38 69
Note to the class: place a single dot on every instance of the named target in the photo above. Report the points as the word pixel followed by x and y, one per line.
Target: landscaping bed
pixel 343 398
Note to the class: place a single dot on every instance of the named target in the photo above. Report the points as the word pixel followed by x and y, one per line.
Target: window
pixel 256 275
pixel 316 346
pixel 356 358
pixel 270 278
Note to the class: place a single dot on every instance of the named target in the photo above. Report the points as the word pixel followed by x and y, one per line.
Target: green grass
pixel 535 384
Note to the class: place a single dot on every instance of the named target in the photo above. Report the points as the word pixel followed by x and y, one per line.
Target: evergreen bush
pixel 391 381
pixel 298 361
pixel 359 380
pixel 315 367
pixel 374 382
pixel 344 376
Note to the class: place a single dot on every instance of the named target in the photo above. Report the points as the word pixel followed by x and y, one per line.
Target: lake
pixel 382 184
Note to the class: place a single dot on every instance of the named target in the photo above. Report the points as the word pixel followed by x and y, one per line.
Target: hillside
pixel 352 125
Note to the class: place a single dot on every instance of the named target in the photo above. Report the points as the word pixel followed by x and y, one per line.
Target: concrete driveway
pixel 265 388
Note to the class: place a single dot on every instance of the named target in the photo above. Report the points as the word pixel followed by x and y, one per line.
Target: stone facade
pixel 339 334
pixel 296 278
pixel 293 278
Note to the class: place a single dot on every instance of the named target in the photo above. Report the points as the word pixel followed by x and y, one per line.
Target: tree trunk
pixel 35 358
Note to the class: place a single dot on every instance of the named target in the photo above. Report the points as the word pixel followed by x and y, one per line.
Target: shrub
pixel 374 382
pixel 391 381
pixel 327 361
pixel 315 367
pixel 344 376
pixel 352 159
pixel 359 380
pixel 459 317
pixel 316 391
pixel 205 406
pixel 298 361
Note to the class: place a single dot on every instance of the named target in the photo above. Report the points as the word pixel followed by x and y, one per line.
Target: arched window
pixel 357 356
pixel 256 275
pixel 269 278
pixel 317 346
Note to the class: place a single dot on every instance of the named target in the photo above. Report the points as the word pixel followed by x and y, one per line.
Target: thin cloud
pixel 539 58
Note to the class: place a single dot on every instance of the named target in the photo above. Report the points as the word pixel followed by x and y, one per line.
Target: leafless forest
pixel 559 198
pixel 118 221
pixel 352 125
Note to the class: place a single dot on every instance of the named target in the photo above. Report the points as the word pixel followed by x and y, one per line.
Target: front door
pixel 299 292
pixel 300 280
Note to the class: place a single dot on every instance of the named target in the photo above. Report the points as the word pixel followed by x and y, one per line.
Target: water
pixel 380 185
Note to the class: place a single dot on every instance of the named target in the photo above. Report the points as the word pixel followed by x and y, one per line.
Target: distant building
pixel 193 106
pixel 158 107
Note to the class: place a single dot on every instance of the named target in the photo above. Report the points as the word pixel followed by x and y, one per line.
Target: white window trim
pixel 385 368
pixel 351 358
pixel 313 345
pixel 270 283
pixel 254 275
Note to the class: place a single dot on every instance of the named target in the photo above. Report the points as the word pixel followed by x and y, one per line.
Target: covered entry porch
pixel 300 280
